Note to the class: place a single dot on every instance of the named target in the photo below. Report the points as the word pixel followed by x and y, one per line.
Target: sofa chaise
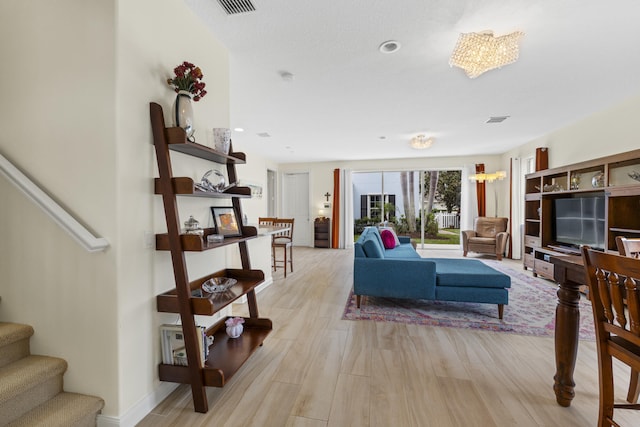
pixel 400 272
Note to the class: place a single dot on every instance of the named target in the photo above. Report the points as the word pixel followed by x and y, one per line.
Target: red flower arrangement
pixel 188 77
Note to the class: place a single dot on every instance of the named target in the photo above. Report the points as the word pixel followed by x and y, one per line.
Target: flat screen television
pixel 579 221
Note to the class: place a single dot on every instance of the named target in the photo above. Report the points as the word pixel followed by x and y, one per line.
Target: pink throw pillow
pixel 388 240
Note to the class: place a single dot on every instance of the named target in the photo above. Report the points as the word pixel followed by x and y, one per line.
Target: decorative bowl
pixel 218 284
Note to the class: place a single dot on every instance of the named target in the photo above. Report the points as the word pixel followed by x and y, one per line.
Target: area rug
pixel 531 309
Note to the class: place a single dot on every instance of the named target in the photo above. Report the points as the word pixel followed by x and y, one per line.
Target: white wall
pixel 80 75
pixel 59 128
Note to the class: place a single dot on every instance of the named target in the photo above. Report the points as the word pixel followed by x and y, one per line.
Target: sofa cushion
pixel 405 250
pixel 468 273
pixel 387 239
pixel 372 248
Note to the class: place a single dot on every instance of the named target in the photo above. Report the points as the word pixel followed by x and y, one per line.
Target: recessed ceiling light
pixel 238 129
pixel 382 137
pixel 390 46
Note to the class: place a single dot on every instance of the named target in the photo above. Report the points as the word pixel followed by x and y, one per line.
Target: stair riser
pixel 20 404
pixel 14 351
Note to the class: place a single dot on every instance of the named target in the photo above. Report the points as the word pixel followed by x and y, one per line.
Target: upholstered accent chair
pixel 489 236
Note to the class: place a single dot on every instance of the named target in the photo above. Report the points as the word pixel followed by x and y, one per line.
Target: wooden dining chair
pixel 610 277
pixel 283 240
pixel 630 247
pixel 266 220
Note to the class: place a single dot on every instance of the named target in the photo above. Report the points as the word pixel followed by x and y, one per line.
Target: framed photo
pixel 225 220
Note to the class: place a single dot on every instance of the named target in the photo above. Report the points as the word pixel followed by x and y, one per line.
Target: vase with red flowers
pixel 187 83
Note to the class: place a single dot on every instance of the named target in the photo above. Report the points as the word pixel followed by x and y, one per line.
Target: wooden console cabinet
pixel 321 232
pixel 608 176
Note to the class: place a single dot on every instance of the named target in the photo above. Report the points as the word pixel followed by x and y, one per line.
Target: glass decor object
pixel 218 284
pixel 192 226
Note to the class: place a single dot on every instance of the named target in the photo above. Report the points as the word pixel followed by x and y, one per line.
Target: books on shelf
pixel 173 346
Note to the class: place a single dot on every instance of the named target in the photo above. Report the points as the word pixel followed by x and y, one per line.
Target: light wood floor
pixel 316 370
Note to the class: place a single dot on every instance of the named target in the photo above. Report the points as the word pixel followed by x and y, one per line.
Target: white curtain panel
pixel 346 210
pixel 517 216
pixel 468 199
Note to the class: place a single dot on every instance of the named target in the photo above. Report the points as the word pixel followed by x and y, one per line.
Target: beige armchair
pixel 489 236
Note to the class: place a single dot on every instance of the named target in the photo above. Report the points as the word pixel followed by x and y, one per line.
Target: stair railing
pixel 49 206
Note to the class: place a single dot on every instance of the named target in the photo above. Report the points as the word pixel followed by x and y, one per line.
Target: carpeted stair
pixel 31 392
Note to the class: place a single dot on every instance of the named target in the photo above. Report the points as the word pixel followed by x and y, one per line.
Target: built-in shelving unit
pixel 607 176
pixel 226 355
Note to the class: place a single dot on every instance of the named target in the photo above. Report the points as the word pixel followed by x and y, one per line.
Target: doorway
pixel 295 200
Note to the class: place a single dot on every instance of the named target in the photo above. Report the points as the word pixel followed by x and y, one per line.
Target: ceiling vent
pixel 497 119
pixel 233 7
pixel 264 135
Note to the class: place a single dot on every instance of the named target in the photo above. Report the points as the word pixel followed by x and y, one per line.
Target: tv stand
pixel 609 177
pixel 565 249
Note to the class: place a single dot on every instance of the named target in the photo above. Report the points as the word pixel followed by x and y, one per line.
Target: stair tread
pixel 63 410
pixel 12 332
pixel 23 374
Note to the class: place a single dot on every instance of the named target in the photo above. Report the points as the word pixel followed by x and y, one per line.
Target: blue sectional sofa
pixel 400 272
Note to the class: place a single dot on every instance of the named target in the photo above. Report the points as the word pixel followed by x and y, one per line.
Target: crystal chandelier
pixel 421 142
pixel 476 53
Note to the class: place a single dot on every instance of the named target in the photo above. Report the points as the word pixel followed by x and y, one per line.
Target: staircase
pixel 31 391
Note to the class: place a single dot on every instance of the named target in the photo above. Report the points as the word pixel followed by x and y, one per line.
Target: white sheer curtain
pixel 346 210
pixel 469 199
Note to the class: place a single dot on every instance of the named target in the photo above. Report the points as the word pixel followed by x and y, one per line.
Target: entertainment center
pixel 587 203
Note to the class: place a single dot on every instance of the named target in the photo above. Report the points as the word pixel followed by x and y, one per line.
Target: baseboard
pixel 140 410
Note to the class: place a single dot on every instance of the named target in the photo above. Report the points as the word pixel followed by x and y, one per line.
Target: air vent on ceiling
pixel 233 7
pixel 497 119
pixel 264 135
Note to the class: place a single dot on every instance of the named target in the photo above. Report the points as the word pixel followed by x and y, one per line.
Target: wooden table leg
pixel 566 340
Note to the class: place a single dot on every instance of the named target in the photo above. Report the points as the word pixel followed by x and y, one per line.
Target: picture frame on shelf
pixel 225 220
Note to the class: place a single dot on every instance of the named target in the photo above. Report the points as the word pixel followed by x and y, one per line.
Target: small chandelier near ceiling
pixel 489 177
pixel 421 142
pixel 476 53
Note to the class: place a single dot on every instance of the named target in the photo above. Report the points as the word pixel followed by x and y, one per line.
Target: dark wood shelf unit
pixel 196 243
pixel 226 355
pixel 177 141
pixel 622 204
pixel 186 187
pixel 209 304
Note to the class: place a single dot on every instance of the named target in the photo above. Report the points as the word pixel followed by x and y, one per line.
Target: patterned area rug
pixel 531 309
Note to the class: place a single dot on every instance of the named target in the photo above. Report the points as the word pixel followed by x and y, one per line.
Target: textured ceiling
pixel 348 101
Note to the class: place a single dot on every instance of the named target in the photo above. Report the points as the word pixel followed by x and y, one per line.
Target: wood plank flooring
pixel 316 370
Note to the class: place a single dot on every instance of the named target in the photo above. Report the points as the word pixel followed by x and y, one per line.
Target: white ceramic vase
pixel 182 112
